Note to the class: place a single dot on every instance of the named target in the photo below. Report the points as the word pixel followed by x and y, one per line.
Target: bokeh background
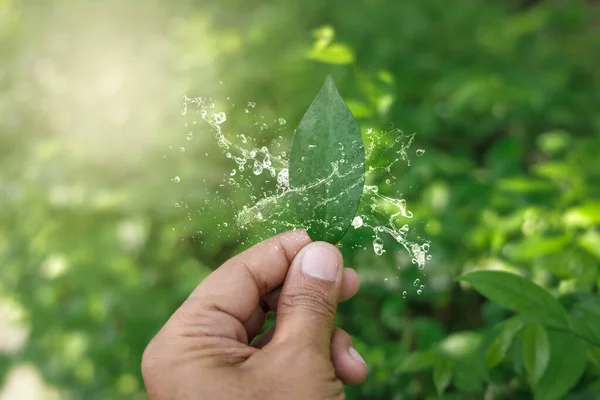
pixel 504 97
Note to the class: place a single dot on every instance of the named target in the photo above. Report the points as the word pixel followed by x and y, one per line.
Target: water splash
pixel 380 214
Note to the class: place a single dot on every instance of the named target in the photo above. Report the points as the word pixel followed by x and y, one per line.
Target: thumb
pixel 309 297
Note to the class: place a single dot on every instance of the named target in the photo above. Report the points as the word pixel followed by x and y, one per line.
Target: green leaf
pixel 518 294
pixel 584 319
pixel 567 363
pixel 523 185
pixel 586 215
pixel 536 246
pixel 327 166
pixel 554 142
pixel 417 361
pixel 335 53
pixel 326 51
pixel 535 352
pixel 590 241
pixel 464 350
pixel 593 354
pixel 442 372
pixel 497 350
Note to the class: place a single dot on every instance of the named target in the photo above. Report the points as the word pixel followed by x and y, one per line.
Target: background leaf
pixel 442 373
pixel 535 351
pixel 497 350
pixel 417 361
pixel 584 318
pixel 518 294
pixel 327 166
pixel 567 363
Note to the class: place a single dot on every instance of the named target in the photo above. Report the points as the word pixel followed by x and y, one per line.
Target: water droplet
pixel 182 149
pixel 220 117
pixel 312 146
pixel 404 293
pixel 385 279
pixel 378 246
pixel 184 109
pixel 419 292
pixel 244 138
pixel 190 136
pixel 282 121
pixel 357 222
pixel 420 152
pixel 251 104
pixel 176 179
pixel 233 172
pixel 416 282
pixel 283 178
pixel 388 181
pixel 258 168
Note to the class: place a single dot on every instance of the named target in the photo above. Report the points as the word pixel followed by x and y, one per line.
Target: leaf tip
pixel 329 83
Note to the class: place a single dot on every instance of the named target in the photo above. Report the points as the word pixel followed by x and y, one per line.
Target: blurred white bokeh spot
pixel 13 331
pixel 25 383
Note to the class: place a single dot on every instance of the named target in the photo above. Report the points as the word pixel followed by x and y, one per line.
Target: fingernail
pixel 354 354
pixel 321 262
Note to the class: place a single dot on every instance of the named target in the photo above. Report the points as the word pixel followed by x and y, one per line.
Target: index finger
pixel 233 290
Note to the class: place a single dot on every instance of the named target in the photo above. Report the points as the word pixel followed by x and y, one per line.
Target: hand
pixel 204 350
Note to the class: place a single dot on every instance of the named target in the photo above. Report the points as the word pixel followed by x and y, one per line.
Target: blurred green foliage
pixel 504 97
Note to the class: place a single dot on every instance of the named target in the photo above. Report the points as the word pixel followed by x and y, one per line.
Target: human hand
pixel 206 349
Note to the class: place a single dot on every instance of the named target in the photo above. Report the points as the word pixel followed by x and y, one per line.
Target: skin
pixel 208 349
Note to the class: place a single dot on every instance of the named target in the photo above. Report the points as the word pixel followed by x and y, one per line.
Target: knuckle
pixel 308 300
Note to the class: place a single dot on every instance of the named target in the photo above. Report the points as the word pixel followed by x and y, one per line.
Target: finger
pixel 349 366
pixel 350 286
pixel 255 323
pixel 309 297
pixel 227 299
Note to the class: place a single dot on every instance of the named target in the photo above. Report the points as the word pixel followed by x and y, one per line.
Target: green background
pixel 504 97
